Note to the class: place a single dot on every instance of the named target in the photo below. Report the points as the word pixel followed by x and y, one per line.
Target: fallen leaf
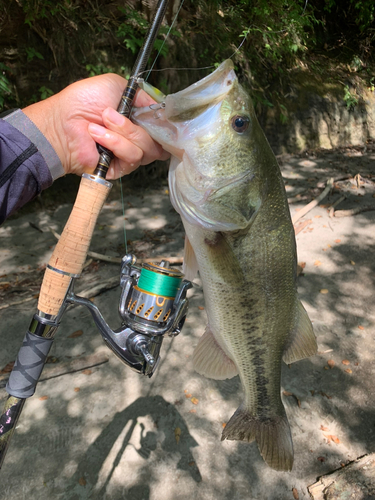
pixel 356 364
pixel 201 308
pixel 224 425
pixel 345 362
pixel 187 395
pixel 348 370
pixel 177 434
pixel 195 401
pixel 325 429
pixel 338 241
pixel 335 439
pixel 325 395
pixel 352 262
pixel 8 368
pixel 324 291
pixel 331 363
pixel 317 216
pixel 77 389
pixel 361 327
pixel 325 205
pixel 43 398
pixel 193 411
pixel 295 493
pixel 75 334
pixel 82 481
pixel 287 393
pixel 321 459
pixel 87 372
pixel 302 264
pixel 317 263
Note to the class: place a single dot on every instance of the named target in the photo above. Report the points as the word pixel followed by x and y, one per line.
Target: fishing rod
pixel 153 300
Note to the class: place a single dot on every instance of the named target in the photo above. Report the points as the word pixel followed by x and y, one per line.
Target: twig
pixel 313 203
pixel 354 211
pixel 118 260
pixel 65 367
pixel 337 202
pixel 18 302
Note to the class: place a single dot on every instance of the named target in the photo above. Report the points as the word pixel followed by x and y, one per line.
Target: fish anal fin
pixel 190 265
pixel 210 360
pixel 302 341
pixel 272 435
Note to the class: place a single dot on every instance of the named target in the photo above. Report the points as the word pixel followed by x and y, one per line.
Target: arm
pixel 64 129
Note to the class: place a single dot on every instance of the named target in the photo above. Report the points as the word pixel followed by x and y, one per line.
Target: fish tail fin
pixel 272 435
pixel 302 341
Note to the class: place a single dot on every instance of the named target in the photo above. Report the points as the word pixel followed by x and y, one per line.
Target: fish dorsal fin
pixel 302 341
pixel 210 360
pixel 190 265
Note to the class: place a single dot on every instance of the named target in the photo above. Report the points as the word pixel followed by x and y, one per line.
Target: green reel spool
pixel 158 280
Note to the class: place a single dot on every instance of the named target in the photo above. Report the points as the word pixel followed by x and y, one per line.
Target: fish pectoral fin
pixel 190 265
pixel 272 435
pixel 302 341
pixel 210 360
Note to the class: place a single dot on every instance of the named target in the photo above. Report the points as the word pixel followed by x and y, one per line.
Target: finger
pixel 122 148
pixel 135 134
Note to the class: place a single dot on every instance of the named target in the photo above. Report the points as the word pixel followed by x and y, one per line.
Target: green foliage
pixel 45 92
pixel 97 69
pixel 31 53
pixel 6 88
pixel 350 99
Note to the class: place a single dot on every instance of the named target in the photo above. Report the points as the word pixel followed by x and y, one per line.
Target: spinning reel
pixel 153 303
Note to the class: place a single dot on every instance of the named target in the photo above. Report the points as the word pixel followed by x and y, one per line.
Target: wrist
pixel 46 117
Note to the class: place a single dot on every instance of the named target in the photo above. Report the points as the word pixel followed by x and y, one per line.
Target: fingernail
pixel 95 129
pixel 115 117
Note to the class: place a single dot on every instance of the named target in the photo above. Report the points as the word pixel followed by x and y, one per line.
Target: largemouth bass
pixel 226 185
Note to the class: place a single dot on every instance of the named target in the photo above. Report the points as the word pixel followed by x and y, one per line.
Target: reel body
pixel 153 303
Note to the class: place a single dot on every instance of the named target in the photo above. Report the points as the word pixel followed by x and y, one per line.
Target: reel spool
pixel 152 298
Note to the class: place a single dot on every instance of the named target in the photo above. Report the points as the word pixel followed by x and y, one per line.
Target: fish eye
pixel 240 123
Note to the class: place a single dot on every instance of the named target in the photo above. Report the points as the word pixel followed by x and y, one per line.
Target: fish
pixel 225 183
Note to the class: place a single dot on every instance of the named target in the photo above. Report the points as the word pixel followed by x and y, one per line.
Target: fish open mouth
pixel 169 121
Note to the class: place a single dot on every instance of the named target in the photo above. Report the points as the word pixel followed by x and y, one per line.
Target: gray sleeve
pixel 21 122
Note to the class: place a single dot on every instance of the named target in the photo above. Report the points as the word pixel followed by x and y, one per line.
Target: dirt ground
pixel 104 432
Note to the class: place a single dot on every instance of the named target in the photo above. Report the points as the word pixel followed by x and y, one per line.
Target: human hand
pixel 84 113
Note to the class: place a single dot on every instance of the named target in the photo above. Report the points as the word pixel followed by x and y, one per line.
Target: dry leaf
pixel 77 389
pixel 224 425
pixel 361 327
pixel 348 370
pixel 352 262
pixel 317 216
pixel 295 493
pixel 325 395
pixel 345 362
pixel 201 308
pixel 195 401
pixel 331 363
pixel 187 395
pixel 302 264
pixel 193 411
pixel 324 290
pixel 177 434
pixel 82 481
pixel 317 263
pixel 338 241
pixel 335 439
pixel 43 398
pixel 75 334
pixel 8 368
pixel 87 372
pixel 325 429
pixel 287 393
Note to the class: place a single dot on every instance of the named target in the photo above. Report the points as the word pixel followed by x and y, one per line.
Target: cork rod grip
pixel 70 252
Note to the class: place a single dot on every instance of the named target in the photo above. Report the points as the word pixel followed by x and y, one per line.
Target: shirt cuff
pixel 21 122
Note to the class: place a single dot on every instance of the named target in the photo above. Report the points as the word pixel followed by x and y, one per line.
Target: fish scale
pixel 227 187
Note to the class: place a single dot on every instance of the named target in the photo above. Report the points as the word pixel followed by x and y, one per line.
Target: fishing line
pixel 165 39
